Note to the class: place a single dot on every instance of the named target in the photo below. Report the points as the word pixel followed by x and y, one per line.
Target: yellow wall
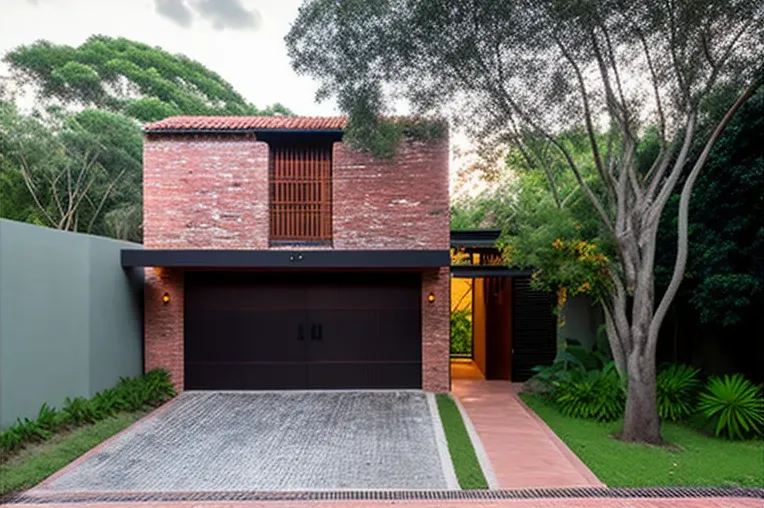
pixel 461 294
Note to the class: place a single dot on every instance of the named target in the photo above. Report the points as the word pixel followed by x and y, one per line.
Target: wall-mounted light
pixel 166 298
pixel 431 297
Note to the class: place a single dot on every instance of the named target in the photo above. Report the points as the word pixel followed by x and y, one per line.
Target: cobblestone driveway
pixel 274 441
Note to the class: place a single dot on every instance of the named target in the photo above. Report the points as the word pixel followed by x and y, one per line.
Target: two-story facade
pixel 278 258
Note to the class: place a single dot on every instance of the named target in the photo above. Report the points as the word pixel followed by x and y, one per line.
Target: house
pixel 278 258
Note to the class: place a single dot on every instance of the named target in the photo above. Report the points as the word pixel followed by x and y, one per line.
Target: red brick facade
pixel 211 192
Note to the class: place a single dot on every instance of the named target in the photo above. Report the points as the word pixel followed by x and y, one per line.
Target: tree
pixel 513 69
pixel 76 172
pixel 120 75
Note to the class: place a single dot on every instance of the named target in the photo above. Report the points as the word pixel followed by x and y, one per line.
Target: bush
pixel 131 394
pixel 734 406
pixel 676 389
pixel 79 411
pixel 595 395
pixel 461 333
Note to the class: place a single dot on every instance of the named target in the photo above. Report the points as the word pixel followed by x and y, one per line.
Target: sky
pixel 242 40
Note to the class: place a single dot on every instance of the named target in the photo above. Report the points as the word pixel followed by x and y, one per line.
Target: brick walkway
pixel 522 449
pixel 519 503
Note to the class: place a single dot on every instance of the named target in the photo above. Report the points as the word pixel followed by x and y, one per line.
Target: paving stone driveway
pixel 273 441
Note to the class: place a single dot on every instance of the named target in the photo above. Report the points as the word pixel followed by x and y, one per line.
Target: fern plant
pixel 595 395
pixel 11 440
pixel 734 405
pixel 676 390
pixel 79 411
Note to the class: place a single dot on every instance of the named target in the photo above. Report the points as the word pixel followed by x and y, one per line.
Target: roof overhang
pixel 358 259
pixel 473 271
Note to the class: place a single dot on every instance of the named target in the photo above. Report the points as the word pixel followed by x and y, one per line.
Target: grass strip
pixel 466 465
pixel 36 462
pixel 699 461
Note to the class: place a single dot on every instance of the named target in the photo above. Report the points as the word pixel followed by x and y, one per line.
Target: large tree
pixel 514 69
pixel 117 74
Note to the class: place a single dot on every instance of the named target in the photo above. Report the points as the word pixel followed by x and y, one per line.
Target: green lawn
pixel 35 463
pixel 700 461
pixel 468 470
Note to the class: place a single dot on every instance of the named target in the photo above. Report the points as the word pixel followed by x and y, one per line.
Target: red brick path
pixel 523 450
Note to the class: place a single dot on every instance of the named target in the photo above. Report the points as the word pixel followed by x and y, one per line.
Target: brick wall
pixel 211 192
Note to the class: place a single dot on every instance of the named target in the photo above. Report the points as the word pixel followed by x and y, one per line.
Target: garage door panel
pixel 245 335
pixel 245 376
pixel 366 375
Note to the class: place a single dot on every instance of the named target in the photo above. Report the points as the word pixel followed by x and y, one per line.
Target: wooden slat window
pixel 301 192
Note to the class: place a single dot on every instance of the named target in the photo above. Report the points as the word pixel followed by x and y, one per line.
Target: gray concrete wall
pixel 70 317
pixel 583 317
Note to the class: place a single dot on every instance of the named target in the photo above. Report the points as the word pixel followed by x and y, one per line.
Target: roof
pixel 247 123
pixel 474 237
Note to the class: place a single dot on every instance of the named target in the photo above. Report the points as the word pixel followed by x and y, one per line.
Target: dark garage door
pixel 246 331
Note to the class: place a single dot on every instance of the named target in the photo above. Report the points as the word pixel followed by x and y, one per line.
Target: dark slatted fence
pixel 301 192
pixel 534 339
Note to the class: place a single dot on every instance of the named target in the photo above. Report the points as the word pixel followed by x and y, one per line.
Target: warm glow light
pixel 431 297
pixel 166 298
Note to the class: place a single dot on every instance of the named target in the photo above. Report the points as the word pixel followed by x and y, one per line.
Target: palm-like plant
pixel 735 404
pixel 676 390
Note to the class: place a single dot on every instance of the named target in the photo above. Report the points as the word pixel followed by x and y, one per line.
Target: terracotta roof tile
pixel 224 123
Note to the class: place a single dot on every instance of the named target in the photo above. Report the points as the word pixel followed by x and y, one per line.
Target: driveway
pixel 271 441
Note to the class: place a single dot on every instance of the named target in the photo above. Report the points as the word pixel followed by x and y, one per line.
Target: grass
pixel 36 462
pixel 701 460
pixel 467 468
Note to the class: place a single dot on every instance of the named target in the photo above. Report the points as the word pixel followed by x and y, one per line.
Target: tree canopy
pixel 516 72
pixel 120 75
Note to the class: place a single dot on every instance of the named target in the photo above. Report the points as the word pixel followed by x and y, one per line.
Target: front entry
pixel 265 331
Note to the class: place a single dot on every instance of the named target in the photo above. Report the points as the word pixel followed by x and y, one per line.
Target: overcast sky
pixel 242 40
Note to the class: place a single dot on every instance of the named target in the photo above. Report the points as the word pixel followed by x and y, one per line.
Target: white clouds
pixel 222 14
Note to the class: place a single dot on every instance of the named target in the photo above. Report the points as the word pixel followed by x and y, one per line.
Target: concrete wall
pixel 583 317
pixel 70 317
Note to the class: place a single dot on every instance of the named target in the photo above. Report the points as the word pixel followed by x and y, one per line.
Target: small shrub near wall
pixel 461 333
pixel 131 394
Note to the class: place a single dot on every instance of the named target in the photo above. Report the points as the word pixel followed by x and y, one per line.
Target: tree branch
pixel 684 203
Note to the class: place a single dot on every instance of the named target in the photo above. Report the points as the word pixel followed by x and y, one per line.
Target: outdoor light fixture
pixel 431 297
pixel 166 298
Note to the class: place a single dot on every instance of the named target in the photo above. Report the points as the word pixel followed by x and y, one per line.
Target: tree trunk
pixel 641 422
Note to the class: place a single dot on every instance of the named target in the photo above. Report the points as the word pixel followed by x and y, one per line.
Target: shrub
pixel 461 333
pixel 676 389
pixel 131 394
pixel 11 440
pixel 79 411
pixel 595 394
pixel 734 406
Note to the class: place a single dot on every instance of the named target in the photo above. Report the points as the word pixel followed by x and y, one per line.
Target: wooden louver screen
pixel 301 192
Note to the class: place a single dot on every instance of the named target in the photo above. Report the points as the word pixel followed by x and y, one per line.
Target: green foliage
pixel 131 394
pixel 694 460
pixel 734 405
pixel 573 361
pixel 74 171
pixel 461 333
pixel 676 390
pixel 466 466
pixel 726 232
pixel 29 467
pixel 79 411
pixel 108 73
pixel 381 137
pixel 595 394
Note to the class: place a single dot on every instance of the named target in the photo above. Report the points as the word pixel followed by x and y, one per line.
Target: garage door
pixel 306 331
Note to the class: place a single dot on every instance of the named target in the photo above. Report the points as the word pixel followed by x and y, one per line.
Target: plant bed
pixel 466 465
pixel 694 459
pixel 33 464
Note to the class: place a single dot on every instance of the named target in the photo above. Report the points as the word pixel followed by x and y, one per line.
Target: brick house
pixel 277 258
